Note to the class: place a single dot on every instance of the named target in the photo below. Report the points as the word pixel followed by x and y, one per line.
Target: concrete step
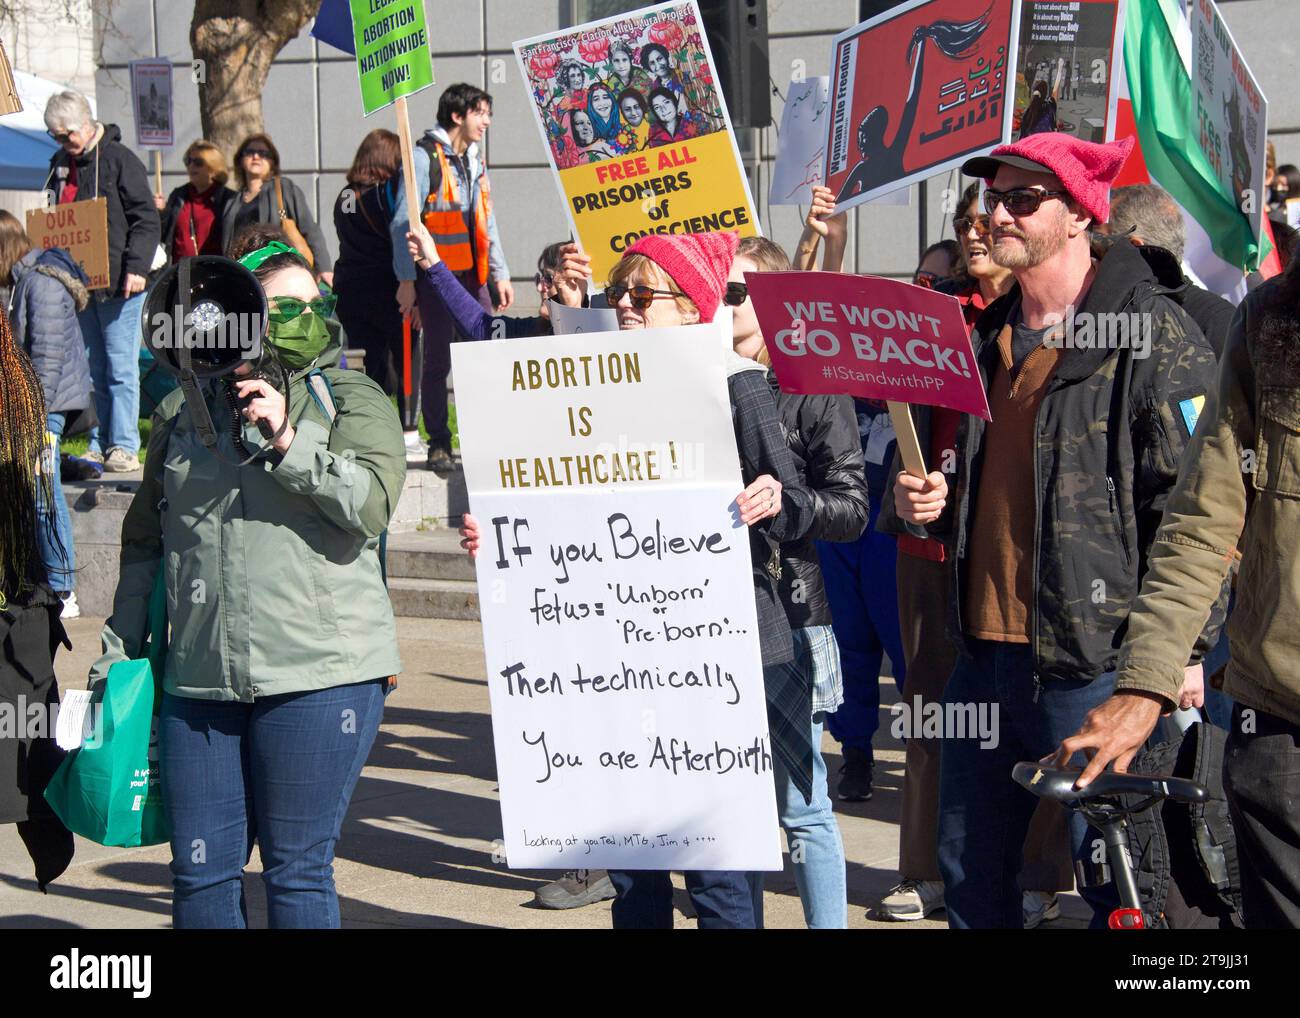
pixel 433 554
pixel 433 599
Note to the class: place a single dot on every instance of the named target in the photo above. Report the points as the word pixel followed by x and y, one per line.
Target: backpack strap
pixel 323 396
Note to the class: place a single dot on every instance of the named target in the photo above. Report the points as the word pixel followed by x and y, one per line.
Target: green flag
pixel 392 43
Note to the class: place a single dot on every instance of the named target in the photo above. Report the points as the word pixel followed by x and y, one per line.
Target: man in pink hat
pixel 1094 376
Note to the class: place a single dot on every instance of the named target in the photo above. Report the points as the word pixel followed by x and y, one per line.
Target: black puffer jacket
pixel 112 171
pixel 822 433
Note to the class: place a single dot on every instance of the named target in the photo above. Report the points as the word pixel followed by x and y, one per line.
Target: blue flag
pixel 333 26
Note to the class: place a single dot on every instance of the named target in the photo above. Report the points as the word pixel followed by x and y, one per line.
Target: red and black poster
pixel 918 90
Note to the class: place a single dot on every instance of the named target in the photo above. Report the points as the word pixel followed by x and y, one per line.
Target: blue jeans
pixel 816 850
pixel 863 593
pixel 279 771
pixel 111 331
pixel 723 899
pixel 55 522
pixel 983 813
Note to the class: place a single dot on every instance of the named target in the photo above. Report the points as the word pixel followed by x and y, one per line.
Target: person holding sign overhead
pixel 664 281
pixel 93 163
pixel 1057 500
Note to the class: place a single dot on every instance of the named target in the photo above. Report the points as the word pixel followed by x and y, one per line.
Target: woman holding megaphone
pixel 265 527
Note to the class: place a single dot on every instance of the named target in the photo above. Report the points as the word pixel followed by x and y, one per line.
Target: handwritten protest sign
pixel 800 160
pixel 828 332
pixel 392 48
pixel 81 229
pixel 1231 110
pixel 151 99
pixel 637 130
pixel 616 591
pixel 918 90
pixel 1068 67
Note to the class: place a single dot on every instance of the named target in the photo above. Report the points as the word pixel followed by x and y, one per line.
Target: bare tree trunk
pixel 234 42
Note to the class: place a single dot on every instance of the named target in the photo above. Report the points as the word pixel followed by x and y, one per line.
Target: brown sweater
pixel 1000 573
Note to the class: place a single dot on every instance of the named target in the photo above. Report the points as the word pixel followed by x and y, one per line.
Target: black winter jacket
pixel 112 171
pixel 1112 428
pixel 49 290
pixel 172 210
pixel 822 432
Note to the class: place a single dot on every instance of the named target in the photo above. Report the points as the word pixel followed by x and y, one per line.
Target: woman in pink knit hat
pixel 664 281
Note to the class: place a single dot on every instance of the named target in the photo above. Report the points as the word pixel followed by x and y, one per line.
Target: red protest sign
pixel 828 332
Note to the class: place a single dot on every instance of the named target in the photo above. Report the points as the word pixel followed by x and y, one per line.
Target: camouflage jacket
pixel 1237 499
pixel 1111 432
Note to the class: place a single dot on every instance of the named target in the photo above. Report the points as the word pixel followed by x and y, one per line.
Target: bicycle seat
pixel 1056 783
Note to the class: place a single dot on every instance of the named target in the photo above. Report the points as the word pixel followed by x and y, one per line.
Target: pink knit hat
pixel 1085 168
pixel 697 262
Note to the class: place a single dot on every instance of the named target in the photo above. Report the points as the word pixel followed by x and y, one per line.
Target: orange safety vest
pixel 444 218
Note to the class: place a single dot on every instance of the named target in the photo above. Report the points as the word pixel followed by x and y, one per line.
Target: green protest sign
pixel 392 43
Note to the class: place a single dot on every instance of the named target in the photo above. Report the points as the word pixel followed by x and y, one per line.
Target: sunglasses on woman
pixel 256 153
pixel 1020 201
pixel 962 225
pixel 544 280
pixel 642 296
pixel 286 309
pixel 736 295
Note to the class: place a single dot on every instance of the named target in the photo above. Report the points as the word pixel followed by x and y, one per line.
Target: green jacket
pixel 272 569
pixel 1237 500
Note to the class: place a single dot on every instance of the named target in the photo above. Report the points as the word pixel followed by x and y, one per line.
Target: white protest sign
pixel 799 161
pixel 617 599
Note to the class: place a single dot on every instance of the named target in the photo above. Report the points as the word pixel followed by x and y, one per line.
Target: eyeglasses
pixel 962 225
pixel 736 295
pixel 544 280
pixel 195 161
pixel 642 296
pixel 256 153
pixel 61 136
pixel 1020 201
pixel 926 279
pixel 286 309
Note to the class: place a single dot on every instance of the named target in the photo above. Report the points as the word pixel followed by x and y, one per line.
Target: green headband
pixel 253 259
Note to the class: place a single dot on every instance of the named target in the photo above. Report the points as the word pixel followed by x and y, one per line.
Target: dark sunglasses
pixel 926 279
pixel 544 280
pixel 259 152
pixel 1020 201
pixel 286 309
pixel 195 161
pixel 60 136
pixel 962 225
pixel 736 295
pixel 642 296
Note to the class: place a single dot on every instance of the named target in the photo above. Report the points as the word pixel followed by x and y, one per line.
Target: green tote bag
pixel 108 790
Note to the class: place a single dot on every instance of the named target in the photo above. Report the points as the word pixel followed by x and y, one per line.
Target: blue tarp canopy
pixel 25 147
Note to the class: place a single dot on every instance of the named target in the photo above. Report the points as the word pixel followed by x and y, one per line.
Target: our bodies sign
pixel 637 130
pixel 81 229
pixel 616 591
pixel 876 338
pixel 916 91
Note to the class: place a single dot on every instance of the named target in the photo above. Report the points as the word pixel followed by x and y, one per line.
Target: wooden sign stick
pixel 408 162
pixel 157 172
pixel 909 446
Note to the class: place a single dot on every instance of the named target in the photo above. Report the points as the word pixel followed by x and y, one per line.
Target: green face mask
pixel 298 341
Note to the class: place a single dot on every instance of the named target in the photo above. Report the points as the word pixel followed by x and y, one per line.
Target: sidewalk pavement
pixel 417 844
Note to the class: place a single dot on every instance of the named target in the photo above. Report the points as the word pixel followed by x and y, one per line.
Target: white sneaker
pixel 71 610
pixel 910 900
pixel 415 449
pixel 119 461
pixel 1040 907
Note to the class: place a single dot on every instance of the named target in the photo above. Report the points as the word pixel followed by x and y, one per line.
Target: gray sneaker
pixel 94 456
pixel 909 901
pixel 576 889
pixel 119 461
